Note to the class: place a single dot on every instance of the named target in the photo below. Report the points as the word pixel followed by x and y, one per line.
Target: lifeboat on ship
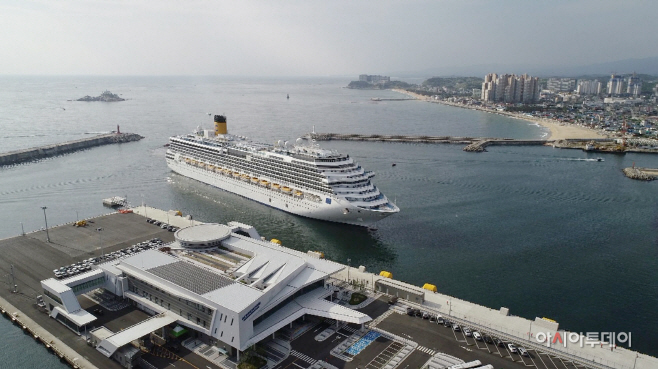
pixel 299 193
pixel 236 174
pixel 254 179
pixel 263 183
pixel 286 190
pixel 276 186
pixel 244 177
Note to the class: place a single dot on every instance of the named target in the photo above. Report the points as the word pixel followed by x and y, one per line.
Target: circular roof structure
pixel 203 234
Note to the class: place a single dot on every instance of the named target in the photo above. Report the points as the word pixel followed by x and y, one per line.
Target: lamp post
pixel 46 220
pixel 348 270
pixel 100 241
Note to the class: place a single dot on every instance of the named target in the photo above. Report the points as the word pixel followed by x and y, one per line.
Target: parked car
pixel 440 320
pixel 523 352
pixel 426 315
pixel 447 323
pixel 499 342
pixel 477 336
pixel 418 313
pixel 512 348
pixel 468 332
pixel 456 328
pixel 487 339
pixel 433 318
pixel 410 311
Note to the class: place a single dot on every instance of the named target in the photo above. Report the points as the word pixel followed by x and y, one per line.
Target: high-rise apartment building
pixel 510 88
pixel 633 85
pixel 561 84
pixel 616 85
pixel 589 87
pixel 374 79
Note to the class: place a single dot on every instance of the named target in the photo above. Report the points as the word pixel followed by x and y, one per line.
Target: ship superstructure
pixel 299 178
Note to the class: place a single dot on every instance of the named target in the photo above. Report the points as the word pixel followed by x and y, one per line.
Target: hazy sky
pixel 316 38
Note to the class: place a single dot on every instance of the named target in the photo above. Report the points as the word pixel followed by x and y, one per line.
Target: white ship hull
pixel 334 210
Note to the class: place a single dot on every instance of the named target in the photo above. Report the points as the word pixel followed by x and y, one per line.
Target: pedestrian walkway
pixel 208 352
pixel 426 350
pixel 303 357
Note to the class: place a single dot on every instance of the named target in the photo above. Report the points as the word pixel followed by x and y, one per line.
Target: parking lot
pixel 431 335
pixel 444 337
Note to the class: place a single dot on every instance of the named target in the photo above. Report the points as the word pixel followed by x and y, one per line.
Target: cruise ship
pixel 299 178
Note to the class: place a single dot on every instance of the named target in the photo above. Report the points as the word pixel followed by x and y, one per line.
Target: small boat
pixel 393 165
pixel 115 201
pixel 599 159
pixel 288 96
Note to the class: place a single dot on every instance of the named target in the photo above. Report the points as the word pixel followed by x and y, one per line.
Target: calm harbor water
pixel 542 231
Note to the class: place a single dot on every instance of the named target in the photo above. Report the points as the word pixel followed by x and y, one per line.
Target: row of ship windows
pixel 307 170
pixel 291 176
pixel 312 183
pixel 257 171
pixel 288 175
pixel 367 199
pixel 297 165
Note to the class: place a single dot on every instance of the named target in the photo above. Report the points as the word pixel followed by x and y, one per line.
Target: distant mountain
pixel 626 66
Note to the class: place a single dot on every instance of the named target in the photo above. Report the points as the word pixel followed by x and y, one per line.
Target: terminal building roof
pixel 264 268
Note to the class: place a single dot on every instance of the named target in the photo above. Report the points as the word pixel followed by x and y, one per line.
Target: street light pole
pixel 348 270
pixel 46 220
pixel 100 241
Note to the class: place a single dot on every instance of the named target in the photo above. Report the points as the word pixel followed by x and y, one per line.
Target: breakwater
pixel 642 174
pixel 36 153
pixel 474 144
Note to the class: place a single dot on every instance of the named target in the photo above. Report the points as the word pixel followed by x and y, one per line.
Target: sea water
pixel 545 232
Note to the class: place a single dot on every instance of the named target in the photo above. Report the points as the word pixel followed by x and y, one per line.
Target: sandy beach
pixel 558 130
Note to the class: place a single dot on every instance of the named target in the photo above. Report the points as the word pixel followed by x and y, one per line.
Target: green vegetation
pixel 454 83
pixel 251 360
pixel 361 85
pixel 357 298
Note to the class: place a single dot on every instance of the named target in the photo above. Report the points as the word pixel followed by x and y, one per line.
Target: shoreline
pixel 556 131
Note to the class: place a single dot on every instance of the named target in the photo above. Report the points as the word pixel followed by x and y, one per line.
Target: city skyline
pixel 296 38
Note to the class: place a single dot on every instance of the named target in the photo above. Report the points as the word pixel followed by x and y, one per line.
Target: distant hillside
pixel 639 65
pixel 361 85
pixel 454 83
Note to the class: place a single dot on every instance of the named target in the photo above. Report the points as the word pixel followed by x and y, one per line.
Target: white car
pixel 468 332
pixel 477 336
pixel 512 348
pixel 523 352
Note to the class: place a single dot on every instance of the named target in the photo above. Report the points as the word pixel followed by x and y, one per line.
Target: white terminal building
pixel 221 281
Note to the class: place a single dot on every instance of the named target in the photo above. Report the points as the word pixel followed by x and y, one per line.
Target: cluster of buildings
pixel 374 79
pixel 224 283
pixel 618 85
pixel 510 88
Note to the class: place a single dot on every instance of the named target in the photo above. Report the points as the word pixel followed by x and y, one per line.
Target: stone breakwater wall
pixel 36 153
pixel 642 174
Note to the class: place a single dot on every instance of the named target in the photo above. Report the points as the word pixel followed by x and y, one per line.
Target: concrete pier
pixel 33 259
pixel 25 155
pixel 475 144
pixel 50 341
pixel 394 138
